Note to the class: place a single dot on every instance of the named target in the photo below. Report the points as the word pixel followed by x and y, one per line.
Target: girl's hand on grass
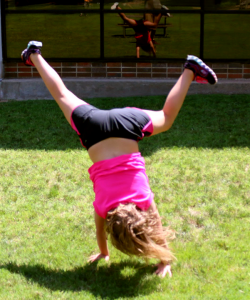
pixel 97 257
pixel 162 270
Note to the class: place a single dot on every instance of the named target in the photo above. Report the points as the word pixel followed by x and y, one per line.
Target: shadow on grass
pixel 101 281
pixel 207 121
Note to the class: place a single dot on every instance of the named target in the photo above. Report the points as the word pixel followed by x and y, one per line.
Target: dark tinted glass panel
pixel 227 4
pixel 182 4
pixel 227 36
pixel 81 5
pixel 63 35
pixel 125 4
pixel 155 4
pixel 176 36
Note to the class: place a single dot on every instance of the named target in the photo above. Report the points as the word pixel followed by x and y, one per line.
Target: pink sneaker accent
pixel 202 73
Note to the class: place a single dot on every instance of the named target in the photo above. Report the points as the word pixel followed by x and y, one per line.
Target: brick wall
pixel 125 70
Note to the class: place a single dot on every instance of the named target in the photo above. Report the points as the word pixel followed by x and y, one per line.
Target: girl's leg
pixel 155 23
pixel 127 20
pixel 66 100
pixel 196 69
pixel 162 120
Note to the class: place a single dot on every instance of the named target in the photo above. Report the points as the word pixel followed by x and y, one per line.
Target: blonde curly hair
pixel 136 232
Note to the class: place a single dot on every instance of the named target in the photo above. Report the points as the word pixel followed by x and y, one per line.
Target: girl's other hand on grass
pixel 97 257
pixel 162 270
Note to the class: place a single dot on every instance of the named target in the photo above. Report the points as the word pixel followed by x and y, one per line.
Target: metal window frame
pixel 202 12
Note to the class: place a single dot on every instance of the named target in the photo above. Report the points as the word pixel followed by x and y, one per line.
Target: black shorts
pixel 94 125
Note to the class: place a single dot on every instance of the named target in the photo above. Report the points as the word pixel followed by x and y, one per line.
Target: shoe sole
pixel 203 65
pixel 35 43
pixel 166 9
pixel 114 5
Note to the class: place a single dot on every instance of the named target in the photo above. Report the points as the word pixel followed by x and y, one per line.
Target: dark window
pixel 77 30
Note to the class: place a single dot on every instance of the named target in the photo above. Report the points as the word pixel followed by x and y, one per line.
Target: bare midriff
pixel 112 147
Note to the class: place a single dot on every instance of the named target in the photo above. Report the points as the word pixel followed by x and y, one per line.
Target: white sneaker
pixel 165 8
pixel 114 6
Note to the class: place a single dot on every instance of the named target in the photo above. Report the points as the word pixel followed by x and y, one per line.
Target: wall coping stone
pixel 34 88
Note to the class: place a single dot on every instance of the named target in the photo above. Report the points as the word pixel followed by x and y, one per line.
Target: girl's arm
pixel 138 52
pixel 162 268
pixel 101 240
pixel 152 48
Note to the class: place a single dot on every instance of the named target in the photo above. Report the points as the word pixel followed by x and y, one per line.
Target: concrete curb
pixel 26 89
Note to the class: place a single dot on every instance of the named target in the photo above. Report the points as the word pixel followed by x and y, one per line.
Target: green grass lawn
pixel 74 36
pixel 198 170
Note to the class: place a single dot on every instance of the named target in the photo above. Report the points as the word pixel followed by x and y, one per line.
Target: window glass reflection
pixel 155 4
pixel 51 5
pixel 227 4
pixel 174 37
pixel 227 36
pixel 124 4
pixel 63 35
